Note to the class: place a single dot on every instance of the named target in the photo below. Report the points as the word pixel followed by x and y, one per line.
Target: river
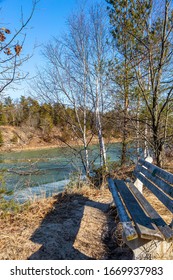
pixel 44 172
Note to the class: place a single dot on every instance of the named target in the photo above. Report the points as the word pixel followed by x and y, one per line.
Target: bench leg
pixel 144 249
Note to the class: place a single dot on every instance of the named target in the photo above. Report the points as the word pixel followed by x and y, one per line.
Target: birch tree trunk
pixel 85 121
pixel 99 126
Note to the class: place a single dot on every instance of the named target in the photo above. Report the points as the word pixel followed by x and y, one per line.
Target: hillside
pixel 15 138
pixel 26 138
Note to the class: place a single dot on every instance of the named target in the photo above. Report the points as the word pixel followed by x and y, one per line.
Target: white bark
pixel 99 127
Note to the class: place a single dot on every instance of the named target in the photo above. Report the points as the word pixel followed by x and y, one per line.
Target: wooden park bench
pixel 144 230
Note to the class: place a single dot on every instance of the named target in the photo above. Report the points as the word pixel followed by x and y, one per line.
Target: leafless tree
pixel 75 77
pixel 98 78
pixel 11 59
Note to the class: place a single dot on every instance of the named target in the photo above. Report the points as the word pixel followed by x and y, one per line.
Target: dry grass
pixel 100 195
pixel 122 173
pixel 16 230
pixel 71 225
pixel 158 206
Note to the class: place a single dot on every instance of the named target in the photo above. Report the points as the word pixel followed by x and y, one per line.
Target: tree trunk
pixel 99 128
pixel 125 116
pixel 158 146
pixel 85 126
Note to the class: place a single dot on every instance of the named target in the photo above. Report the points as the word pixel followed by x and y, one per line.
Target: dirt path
pixel 69 226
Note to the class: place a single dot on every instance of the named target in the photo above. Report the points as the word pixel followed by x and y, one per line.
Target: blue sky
pixel 49 20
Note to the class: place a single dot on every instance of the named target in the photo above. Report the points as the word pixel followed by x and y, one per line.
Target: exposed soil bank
pixel 27 138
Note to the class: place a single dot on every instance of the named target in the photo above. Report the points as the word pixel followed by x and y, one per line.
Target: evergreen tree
pixel 1 139
pixel 3 119
pixel 149 32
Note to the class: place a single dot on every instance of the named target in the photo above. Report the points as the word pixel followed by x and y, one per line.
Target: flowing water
pixel 47 171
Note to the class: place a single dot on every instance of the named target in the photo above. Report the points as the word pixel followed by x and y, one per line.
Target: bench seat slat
pixel 156 180
pixel 158 171
pixel 129 229
pixel 146 229
pixel 160 195
pixel 156 218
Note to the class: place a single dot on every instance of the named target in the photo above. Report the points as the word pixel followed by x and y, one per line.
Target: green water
pixel 48 170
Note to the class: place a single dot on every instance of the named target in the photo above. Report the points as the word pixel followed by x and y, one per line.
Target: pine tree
pixel 148 28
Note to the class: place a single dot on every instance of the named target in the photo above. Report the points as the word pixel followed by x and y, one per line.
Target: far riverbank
pixel 27 138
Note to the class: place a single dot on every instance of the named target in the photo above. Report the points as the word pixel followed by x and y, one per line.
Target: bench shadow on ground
pixel 59 228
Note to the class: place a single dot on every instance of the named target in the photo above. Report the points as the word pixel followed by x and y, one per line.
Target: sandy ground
pixel 69 226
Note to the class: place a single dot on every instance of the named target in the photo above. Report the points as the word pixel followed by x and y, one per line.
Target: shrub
pixel 1 139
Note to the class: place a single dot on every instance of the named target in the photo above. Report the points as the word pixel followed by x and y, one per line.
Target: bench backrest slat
pixel 156 180
pixel 158 171
pixel 160 195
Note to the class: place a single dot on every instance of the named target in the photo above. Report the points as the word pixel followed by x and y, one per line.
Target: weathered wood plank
pixel 146 229
pixel 167 176
pixel 156 218
pixel 128 227
pixel 160 195
pixel 156 180
pixel 120 207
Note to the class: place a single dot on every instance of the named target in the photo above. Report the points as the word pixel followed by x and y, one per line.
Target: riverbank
pixel 27 138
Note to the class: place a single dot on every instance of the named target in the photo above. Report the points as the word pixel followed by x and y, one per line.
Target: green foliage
pixel 6 203
pixel 9 206
pixel 75 181
pixel 3 190
pixel 142 33
pixel 3 118
pixel 1 139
